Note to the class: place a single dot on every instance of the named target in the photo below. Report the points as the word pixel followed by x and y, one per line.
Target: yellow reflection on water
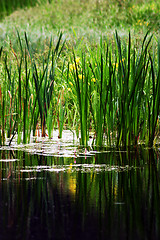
pixel 72 184
pixel 71 181
pixel 115 192
pixel 70 168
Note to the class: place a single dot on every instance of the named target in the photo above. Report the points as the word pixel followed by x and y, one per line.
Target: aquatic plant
pixel 112 88
pixel 110 93
pixel 131 77
pixel 81 75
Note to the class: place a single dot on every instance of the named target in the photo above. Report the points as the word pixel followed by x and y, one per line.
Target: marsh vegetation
pixel 111 91
pixel 79 119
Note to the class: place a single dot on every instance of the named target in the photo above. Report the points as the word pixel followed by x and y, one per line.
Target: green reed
pixel 80 76
pixel 112 91
pixel 112 87
pixel 27 92
pixel 44 81
pixel 131 77
pixel 102 92
pixel 153 97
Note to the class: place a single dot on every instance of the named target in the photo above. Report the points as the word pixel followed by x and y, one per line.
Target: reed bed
pixel 109 93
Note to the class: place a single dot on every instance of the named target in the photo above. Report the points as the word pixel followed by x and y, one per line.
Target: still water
pixel 103 195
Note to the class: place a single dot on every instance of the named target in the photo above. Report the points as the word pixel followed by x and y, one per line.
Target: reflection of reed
pixel 127 200
pixel 114 205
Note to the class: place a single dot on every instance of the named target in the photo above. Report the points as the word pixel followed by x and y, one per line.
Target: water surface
pixel 104 195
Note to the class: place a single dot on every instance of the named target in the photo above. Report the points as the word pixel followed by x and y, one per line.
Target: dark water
pixel 115 195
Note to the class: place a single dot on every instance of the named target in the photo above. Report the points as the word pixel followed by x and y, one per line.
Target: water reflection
pixel 50 198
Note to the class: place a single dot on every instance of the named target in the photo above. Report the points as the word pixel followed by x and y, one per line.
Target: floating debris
pixel 9 160
pixel 78 167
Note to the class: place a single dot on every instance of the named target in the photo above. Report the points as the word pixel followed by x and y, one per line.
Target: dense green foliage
pixel 9 6
pixel 111 90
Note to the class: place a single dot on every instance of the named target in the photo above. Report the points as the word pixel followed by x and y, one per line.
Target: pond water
pixel 79 193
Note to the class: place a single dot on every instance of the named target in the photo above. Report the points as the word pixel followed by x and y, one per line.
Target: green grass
pixel 9 6
pixel 88 19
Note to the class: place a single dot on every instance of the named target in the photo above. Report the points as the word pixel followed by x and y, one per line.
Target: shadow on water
pixel 111 195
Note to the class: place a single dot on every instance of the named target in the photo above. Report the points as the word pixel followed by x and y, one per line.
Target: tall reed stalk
pixel 153 97
pixel 81 75
pixel 131 77
pixel 102 94
pixel 44 81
